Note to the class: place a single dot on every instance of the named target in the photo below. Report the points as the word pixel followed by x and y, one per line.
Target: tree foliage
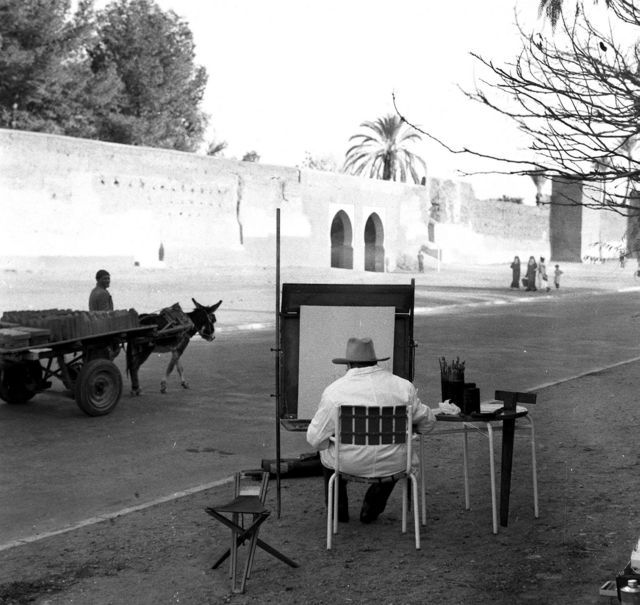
pixel 576 95
pixel 324 163
pixel 126 74
pixel 46 81
pixel 251 156
pixel 382 151
pixel 153 54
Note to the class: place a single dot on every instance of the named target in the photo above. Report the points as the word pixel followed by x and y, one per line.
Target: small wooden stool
pixel 250 492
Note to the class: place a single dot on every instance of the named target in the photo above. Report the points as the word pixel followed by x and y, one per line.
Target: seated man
pixel 367 384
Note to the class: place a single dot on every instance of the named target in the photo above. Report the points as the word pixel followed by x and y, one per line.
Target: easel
pixel 396 301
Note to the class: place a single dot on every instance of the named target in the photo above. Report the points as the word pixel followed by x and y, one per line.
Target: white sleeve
pixel 424 417
pixel 322 425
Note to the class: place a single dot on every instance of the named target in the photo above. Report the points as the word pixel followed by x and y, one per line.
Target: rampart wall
pixel 66 196
pixel 76 197
pixel 486 231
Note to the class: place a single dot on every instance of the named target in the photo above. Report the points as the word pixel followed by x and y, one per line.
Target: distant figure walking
pixel 100 299
pixel 161 252
pixel 420 261
pixel 543 279
pixel 556 276
pixel 531 274
pixel 515 272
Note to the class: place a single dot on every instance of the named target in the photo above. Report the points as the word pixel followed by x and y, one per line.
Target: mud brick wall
pixel 66 196
pixel 491 231
pixel 62 195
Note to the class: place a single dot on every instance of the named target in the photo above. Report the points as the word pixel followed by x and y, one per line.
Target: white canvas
pixel 324 332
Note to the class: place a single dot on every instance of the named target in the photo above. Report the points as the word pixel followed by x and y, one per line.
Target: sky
pixel 293 76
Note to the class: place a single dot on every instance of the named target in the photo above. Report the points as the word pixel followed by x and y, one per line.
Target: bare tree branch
pixel 576 95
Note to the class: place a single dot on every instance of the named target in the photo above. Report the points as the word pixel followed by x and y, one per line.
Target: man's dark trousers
pixel 374 503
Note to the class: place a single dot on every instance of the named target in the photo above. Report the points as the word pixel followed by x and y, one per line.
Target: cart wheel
pixel 98 387
pixel 19 382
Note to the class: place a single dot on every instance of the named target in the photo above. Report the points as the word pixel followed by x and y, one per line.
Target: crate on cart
pixel 66 324
pixel 13 338
pixel 37 336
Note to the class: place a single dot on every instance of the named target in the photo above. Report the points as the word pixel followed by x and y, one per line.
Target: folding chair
pixel 373 426
pixel 250 493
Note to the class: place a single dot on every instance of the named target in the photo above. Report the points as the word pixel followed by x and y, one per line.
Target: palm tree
pixel 381 152
pixel 539 179
pixel 553 9
pixel 216 148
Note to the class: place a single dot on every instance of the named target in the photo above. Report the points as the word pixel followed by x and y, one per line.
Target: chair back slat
pixel 394 424
pixel 374 428
pixel 359 426
pixel 364 425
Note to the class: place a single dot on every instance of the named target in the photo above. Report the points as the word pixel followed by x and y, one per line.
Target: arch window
pixel 374 244
pixel 341 241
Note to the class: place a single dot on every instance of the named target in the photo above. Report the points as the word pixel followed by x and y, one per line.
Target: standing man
pixel 367 384
pixel 100 299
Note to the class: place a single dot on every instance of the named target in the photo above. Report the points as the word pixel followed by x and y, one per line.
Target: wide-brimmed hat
pixel 359 350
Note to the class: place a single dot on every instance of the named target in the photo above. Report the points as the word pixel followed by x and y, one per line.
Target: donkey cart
pixel 75 347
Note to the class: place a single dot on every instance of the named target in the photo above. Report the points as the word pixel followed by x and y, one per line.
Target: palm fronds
pixel 381 152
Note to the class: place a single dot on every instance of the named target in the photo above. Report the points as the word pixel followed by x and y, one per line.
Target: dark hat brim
pixel 344 360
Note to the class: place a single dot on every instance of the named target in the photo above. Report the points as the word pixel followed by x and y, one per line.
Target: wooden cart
pixel 83 364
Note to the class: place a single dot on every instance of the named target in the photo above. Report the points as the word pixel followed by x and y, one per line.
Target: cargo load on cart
pixel 76 347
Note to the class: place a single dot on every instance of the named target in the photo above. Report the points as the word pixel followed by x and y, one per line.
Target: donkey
pixel 199 321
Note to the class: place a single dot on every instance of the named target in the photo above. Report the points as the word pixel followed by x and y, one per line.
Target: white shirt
pixel 368 386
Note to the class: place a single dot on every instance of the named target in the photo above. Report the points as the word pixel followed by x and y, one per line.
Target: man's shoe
pixel 368 514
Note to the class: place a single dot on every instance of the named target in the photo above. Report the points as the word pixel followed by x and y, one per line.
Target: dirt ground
pixel 587 464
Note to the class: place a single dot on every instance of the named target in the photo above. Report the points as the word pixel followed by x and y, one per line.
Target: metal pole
pixel 277 352
pixel 412 343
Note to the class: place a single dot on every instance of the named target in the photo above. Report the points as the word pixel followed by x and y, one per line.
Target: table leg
pixel 465 466
pixel 508 430
pixel 233 563
pixel 534 468
pixel 492 473
pixel 423 496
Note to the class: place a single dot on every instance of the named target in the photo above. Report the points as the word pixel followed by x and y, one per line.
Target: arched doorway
pixel 373 244
pixel 341 241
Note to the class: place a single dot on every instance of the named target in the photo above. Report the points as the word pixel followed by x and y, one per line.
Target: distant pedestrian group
pixel 536 277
